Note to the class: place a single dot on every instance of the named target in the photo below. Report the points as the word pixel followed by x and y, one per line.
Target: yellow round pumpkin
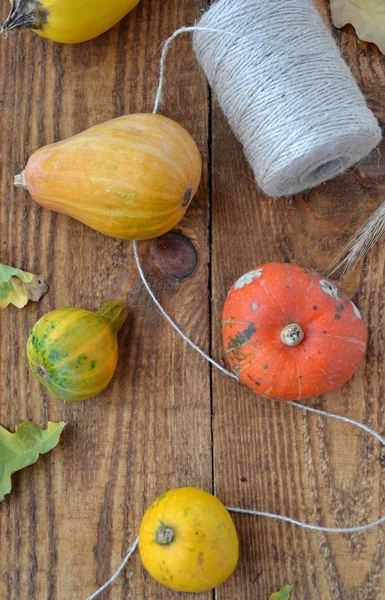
pixel 188 541
pixel 73 352
pixel 129 178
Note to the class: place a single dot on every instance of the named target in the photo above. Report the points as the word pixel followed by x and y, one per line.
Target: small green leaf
pixel 366 16
pixel 22 448
pixel 284 594
pixel 17 287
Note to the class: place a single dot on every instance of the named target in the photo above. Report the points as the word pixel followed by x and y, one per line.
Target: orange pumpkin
pixel 291 334
pixel 129 178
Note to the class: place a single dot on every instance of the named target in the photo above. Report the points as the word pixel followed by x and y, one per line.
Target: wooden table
pixel 168 419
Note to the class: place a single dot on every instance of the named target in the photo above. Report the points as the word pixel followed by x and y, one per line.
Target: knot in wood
pixel 175 255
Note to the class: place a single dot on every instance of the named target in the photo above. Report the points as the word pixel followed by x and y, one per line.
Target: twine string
pixel 224 371
pixel 240 510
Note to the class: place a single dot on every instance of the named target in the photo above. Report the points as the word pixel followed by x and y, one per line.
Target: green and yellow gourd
pixel 74 352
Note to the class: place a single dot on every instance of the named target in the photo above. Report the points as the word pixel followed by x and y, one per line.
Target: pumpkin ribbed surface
pixel 291 334
pixel 188 541
pixel 73 352
pixel 129 178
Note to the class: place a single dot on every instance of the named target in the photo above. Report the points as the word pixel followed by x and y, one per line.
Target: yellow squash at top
pixel 67 21
pixel 129 178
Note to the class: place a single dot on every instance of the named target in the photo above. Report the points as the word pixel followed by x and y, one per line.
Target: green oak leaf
pixel 284 594
pixel 22 448
pixel 366 16
pixel 17 287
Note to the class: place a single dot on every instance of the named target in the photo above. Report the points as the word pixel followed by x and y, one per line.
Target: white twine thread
pixel 304 525
pixel 165 50
pixel 117 572
pixel 294 105
pixel 172 323
pixel 233 509
pixel 245 511
pixel 317 411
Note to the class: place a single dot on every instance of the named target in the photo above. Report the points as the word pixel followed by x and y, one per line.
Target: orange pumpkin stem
pixel 165 535
pixel 292 335
pixel 19 181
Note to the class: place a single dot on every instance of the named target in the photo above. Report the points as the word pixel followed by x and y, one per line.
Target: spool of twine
pixel 286 91
pixel 243 114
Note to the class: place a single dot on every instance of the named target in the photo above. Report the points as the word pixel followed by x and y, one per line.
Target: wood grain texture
pixel 73 515
pixel 167 420
pixel 282 460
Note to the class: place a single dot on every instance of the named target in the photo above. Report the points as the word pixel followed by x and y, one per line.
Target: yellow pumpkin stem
pixel 165 535
pixel 25 13
pixel 115 312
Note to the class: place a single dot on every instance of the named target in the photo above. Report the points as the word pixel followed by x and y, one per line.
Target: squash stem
pixel 165 535
pixel 20 181
pixel 292 335
pixel 25 14
pixel 115 312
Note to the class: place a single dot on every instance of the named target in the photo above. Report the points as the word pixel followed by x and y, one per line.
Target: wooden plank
pixel 272 456
pixel 73 515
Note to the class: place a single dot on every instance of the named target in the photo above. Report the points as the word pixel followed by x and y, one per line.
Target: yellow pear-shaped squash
pixel 188 541
pixel 129 178
pixel 67 21
pixel 73 352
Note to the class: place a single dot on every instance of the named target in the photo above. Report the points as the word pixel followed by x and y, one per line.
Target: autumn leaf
pixel 17 287
pixel 22 448
pixel 284 594
pixel 366 16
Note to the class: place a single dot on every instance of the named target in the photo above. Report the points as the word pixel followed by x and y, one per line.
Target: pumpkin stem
pixel 20 181
pixel 292 335
pixel 115 312
pixel 165 535
pixel 25 14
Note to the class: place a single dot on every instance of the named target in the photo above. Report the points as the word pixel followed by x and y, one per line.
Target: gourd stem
pixel 25 14
pixel 292 335
pixel 165 535
pixel 42 372
pixel 20 181
pixel 115 312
